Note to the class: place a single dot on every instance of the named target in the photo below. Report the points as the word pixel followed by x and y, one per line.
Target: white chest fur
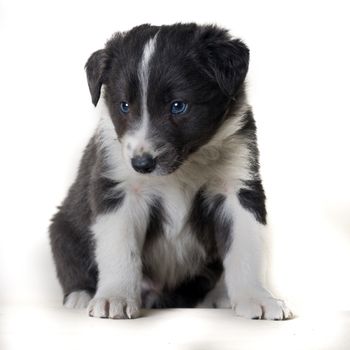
pixel 176 253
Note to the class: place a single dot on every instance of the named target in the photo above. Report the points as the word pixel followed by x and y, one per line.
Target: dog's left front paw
pixel 266 308
pixel 116 308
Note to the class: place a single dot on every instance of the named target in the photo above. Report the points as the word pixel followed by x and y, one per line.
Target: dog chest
pixel 171 251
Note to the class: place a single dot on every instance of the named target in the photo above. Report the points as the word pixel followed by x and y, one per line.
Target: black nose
pixel 144 163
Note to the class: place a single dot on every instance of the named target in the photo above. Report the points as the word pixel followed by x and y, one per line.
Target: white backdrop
pixel 299 87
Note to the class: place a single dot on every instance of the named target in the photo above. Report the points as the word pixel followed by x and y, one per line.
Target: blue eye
pixel 178 107
pixel 124 107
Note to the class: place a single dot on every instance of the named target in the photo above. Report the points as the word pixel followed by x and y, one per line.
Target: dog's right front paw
pixel 114 307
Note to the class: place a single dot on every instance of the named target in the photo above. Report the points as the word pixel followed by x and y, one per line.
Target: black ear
pixel 228 61
pixel 96 67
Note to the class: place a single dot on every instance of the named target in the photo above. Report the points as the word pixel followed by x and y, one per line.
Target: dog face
pixel 167 90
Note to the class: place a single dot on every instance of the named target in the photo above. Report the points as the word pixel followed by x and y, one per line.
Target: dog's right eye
pixel 124 107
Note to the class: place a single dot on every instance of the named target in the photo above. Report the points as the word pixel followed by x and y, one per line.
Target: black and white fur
pixel 191 232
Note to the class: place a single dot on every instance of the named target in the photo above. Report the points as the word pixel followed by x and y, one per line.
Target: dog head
pixel 167 89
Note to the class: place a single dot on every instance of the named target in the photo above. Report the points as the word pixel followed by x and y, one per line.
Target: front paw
pixel 266 308
pixel 114 307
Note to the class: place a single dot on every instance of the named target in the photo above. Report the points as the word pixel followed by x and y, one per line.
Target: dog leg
pixel 73 256
pixel 119 239
pixel 243 263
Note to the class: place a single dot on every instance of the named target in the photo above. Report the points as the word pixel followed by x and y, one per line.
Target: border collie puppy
pixel 168 208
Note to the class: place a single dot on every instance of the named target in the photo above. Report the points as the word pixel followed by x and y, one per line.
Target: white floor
pixel 53 327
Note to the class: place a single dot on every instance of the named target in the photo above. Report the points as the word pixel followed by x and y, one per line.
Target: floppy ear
pixel 96 71
pixel 228 61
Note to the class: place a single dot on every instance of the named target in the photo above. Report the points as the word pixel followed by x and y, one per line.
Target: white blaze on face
pixel 135 142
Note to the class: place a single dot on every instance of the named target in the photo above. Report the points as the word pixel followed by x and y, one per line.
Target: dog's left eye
pixel 178 107
pixel 124 107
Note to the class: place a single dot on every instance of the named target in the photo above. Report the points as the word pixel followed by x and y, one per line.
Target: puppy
pixel 168 208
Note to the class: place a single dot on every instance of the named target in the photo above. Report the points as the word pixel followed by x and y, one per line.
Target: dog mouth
pixel 162 165
pixel 158 159
pixel 168 163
